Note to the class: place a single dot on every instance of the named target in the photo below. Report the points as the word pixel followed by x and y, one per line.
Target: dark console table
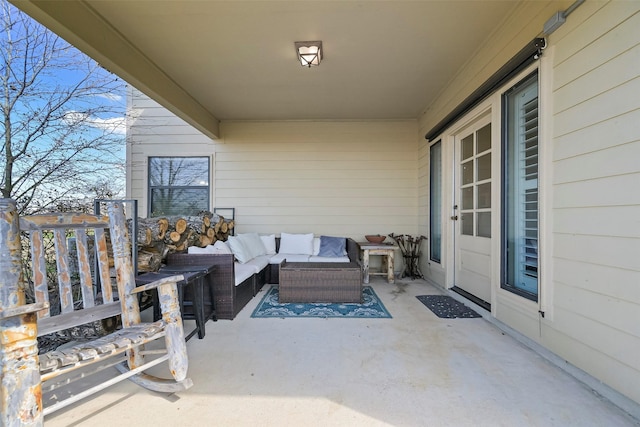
pixel 190 297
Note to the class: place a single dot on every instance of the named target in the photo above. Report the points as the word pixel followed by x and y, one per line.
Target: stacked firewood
pixel 158 237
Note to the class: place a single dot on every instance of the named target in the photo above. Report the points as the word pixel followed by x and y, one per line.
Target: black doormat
pixel 446 307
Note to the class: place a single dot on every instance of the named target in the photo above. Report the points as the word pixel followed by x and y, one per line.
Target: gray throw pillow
pixel 332 246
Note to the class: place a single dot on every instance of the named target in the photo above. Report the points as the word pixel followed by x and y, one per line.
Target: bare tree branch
pixel 62 127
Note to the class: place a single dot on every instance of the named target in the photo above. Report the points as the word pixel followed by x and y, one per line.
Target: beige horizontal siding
pixel 608 251
pixel 606 191
pixel 349 178
pixel 423 186
pixel 520 314
pixel 607 162
pixel 181 141
pixel 599 364
pixel 596 202
pixel 598 136
pixel 302 190
pixel 335 185
pixel 616 71
pixel 611 317
pixel 587 220
pixel 346 178
pixel 601 35
pixel 606 106
pixel 591 276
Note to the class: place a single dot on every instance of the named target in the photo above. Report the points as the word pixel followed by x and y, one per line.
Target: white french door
pixel 473 210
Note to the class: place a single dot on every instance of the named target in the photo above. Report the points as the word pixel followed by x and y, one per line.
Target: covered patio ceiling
pixel 208 61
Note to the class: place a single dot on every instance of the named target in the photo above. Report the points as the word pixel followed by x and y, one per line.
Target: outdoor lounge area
pixel 502 134
pixel 414 369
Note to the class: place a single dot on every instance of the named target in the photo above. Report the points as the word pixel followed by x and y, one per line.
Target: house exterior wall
pixel 153 130
pixel 589 198
pixel 355 178
pixel 595 196
pixel 335 178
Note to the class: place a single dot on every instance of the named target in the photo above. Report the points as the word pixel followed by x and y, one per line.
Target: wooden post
pixel 20 389
pixel 390 266
pixel 122 257
pixel 174 338
pixel 365 266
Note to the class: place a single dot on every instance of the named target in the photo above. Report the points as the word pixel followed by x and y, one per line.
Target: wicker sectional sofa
pixel 236 283
pixel 229 297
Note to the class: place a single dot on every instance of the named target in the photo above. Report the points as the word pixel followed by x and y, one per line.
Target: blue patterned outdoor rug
pixel 371 308
pixel 446 307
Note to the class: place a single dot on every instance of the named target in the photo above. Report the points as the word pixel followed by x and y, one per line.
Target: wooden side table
pixel 388 254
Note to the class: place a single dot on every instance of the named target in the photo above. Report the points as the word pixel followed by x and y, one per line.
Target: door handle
pixel 455 217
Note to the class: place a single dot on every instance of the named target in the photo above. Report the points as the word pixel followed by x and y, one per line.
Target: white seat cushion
pixel 243 272
pixel 278 258
pixel 259 263
pixel 329 259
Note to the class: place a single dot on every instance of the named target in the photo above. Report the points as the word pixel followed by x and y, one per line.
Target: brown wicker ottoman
pixel 335 282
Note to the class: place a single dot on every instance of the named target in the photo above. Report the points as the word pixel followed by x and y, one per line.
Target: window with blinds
pixel 178 185
pixel 520 189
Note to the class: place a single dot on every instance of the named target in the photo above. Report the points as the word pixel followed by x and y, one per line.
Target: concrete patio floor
pixel 412 370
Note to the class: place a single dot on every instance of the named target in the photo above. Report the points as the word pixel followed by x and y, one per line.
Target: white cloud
pixel 115 124
pixel 111 97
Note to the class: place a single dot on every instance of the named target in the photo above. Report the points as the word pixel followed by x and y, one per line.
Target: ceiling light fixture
pixel 309 53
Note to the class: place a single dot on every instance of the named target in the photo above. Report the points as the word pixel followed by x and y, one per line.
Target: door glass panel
pixel 467 224
pixel 484 167
pixel 475 182
pixel 484 224
pixel 467 172
pixel 484 138
pixel 467 147
pixel 484 196
pixel 467 198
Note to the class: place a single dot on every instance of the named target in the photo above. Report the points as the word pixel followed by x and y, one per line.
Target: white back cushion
pixel 196 250
pixel 269 243
pixel 241 253
pixel 296 244
pixel 220 247
pixel 253 244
